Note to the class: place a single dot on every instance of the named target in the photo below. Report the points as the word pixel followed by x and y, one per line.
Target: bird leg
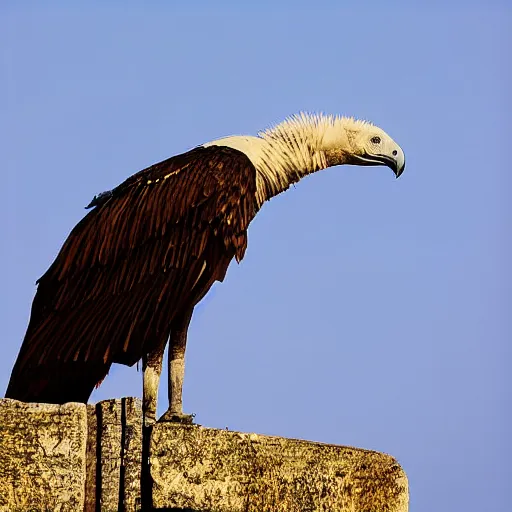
pixel 152 368
pixel 177 345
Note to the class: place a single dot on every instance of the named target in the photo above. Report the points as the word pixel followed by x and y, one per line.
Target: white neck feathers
pixel 285 153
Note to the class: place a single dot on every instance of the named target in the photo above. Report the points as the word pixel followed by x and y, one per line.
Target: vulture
pixel 130 273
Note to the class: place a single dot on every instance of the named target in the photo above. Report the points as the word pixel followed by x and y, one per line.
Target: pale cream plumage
pixel 306 143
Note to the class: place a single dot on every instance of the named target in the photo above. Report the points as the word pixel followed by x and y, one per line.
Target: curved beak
pixel 399 162
pixel 396 162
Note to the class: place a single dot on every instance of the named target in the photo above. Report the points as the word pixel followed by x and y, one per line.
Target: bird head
pixel 350 141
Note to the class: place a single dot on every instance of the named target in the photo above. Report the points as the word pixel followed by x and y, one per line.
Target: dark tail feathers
pixel 71 381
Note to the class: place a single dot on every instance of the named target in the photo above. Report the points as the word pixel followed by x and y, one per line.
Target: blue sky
pixel 368 311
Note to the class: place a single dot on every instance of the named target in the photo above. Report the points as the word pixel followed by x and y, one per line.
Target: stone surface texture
pixel 91 455
pixel 42 456
pixel 132 454
pixel 204 469
pixel 109 452
pixel 89 458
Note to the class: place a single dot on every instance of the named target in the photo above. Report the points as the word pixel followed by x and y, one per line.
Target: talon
pixel 176 417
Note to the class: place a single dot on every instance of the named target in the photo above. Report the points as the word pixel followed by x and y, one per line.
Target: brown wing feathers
pixel 153 249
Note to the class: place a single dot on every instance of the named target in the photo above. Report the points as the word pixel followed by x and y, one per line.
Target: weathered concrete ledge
pixel 87 458
pixel 213 470
pixel 42 456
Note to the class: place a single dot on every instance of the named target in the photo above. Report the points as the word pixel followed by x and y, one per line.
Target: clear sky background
pixel 368 311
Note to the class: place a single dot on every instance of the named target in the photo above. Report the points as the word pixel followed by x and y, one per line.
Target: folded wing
pixel 150 251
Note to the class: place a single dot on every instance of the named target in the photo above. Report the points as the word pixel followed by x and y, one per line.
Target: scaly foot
pixel 177 417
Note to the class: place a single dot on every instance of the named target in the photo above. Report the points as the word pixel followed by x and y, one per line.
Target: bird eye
pixel 395 152
pixel 375 140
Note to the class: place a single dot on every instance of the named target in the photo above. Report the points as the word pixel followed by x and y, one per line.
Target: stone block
pixel 203 469
pixel 42 456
